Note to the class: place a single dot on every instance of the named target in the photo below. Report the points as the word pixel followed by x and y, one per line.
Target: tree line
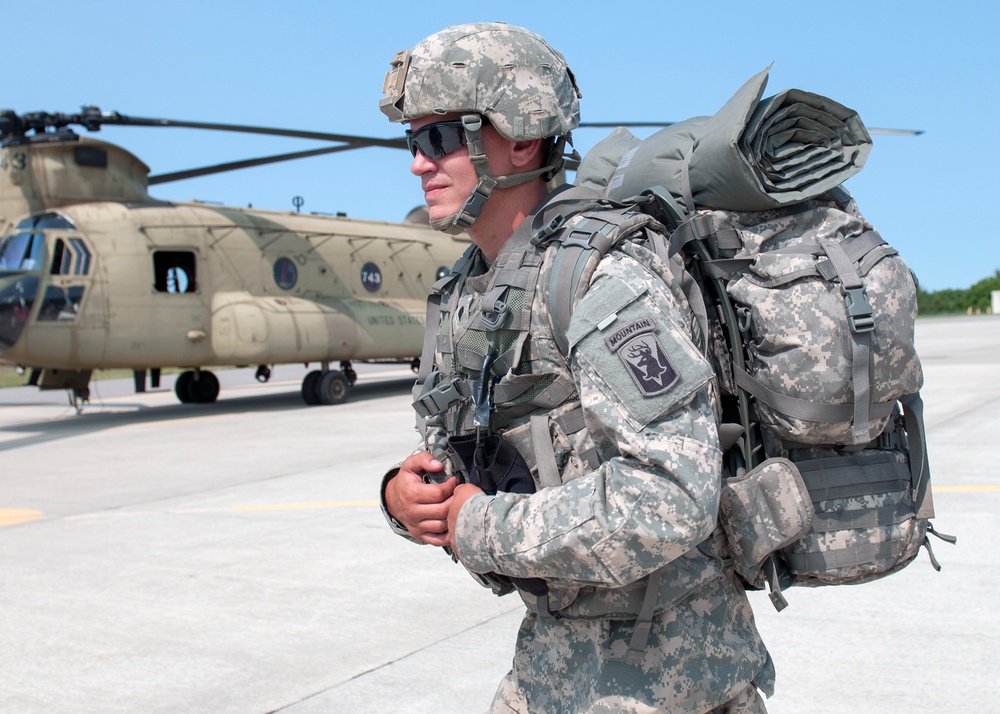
pixel 975 298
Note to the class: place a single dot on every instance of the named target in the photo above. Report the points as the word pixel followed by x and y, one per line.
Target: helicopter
pixel 97 274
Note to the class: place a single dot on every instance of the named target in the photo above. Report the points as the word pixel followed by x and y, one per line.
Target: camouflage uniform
pixel 630 419
pixel 618 428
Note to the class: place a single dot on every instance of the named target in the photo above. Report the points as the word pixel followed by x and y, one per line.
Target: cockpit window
pixel 22 251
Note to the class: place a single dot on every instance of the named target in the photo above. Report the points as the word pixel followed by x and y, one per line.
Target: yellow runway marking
pixel 13 516
pixel 292 506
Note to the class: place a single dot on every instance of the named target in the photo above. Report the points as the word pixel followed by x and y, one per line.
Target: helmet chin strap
pixel 473 206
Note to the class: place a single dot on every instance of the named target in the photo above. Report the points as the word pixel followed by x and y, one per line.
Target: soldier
pixel 581 466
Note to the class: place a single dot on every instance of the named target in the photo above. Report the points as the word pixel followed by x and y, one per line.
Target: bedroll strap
pixel 702 227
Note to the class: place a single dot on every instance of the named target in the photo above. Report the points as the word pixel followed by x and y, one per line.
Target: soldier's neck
pixel 505 210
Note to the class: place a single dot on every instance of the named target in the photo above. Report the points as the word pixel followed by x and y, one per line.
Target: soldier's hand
pixel 462 494
pixel 421 507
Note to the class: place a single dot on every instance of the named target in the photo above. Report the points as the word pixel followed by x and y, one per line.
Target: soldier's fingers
pixel 421 462
pixel 438 539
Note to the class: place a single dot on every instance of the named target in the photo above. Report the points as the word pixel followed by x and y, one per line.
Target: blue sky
pixel 318 66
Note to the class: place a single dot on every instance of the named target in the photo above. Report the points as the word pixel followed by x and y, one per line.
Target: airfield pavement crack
pixel 391 662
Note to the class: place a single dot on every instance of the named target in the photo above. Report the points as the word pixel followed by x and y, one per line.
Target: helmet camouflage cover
pixel 504 73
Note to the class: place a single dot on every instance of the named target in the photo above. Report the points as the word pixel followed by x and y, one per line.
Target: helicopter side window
pixel 174 271
pixel 22 251
pixel 285 273
pixel 70 260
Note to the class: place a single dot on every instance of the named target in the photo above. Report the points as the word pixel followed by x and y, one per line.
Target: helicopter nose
pixel 17 296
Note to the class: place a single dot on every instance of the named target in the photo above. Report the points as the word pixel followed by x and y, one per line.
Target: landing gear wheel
pixel 310 388
pixel 182 387
pixel 263 373
pixel 204 387
pixel 78 397
pixel 333 387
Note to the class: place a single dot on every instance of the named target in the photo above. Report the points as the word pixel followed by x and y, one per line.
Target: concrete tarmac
pixel 160 557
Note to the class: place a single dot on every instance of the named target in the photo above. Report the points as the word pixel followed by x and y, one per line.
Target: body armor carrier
pixel 502 367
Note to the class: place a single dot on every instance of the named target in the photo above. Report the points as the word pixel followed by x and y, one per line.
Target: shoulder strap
pixel 582 242
pixel 451 282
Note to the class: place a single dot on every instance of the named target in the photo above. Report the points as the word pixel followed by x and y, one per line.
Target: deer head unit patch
pixel 646 360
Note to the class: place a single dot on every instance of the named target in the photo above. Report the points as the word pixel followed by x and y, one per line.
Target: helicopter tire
pixel 204 389
pixel 182 387
pixel 310 388
pixel 333 387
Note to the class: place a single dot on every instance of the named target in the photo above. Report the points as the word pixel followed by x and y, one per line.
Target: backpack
pixel 810 316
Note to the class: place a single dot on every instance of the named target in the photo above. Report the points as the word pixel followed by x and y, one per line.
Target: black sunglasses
pixel 437 139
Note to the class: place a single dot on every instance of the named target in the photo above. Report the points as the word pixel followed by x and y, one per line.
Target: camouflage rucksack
pixel 813 324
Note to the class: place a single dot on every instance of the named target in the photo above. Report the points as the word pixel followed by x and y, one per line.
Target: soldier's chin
pixel 446 225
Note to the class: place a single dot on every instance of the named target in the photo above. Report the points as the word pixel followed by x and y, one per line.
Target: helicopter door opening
pixel 174 271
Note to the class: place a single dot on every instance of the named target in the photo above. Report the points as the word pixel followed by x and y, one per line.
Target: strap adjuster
pixel 438 400
pixel 859 310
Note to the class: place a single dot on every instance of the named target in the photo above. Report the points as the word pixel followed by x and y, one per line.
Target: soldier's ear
pixel 525 153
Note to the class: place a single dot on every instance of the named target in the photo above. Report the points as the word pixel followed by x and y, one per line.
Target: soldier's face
pixel 449 180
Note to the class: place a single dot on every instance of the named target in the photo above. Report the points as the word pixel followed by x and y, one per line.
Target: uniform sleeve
pixel 643 387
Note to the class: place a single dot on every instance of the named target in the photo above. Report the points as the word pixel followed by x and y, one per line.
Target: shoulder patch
pixel 642 362
pixel 643 356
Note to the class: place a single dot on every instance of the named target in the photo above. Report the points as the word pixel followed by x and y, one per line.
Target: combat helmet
pixel 489 71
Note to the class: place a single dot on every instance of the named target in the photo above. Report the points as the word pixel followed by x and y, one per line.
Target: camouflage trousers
pixel 704 657
pixel 509 700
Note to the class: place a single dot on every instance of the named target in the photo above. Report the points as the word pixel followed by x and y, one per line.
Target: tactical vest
pixel 482 325
pixel 484 317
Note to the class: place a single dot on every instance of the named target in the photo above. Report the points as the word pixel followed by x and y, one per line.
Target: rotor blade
pixel 234 165
pixel 647 124
pixel 896 132
pixel 616 124
pixel 114 118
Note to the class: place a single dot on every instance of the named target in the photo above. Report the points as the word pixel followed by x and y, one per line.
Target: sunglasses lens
pixel 436 140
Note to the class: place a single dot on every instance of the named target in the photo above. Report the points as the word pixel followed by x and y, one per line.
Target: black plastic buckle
pixel 542 235
pixel 859 310
pixel 438 400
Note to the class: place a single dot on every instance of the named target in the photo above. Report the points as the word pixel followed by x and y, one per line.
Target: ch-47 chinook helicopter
pixel 96 274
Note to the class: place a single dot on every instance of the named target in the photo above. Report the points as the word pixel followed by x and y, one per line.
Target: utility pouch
pixel 493 464
pixel 762 511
